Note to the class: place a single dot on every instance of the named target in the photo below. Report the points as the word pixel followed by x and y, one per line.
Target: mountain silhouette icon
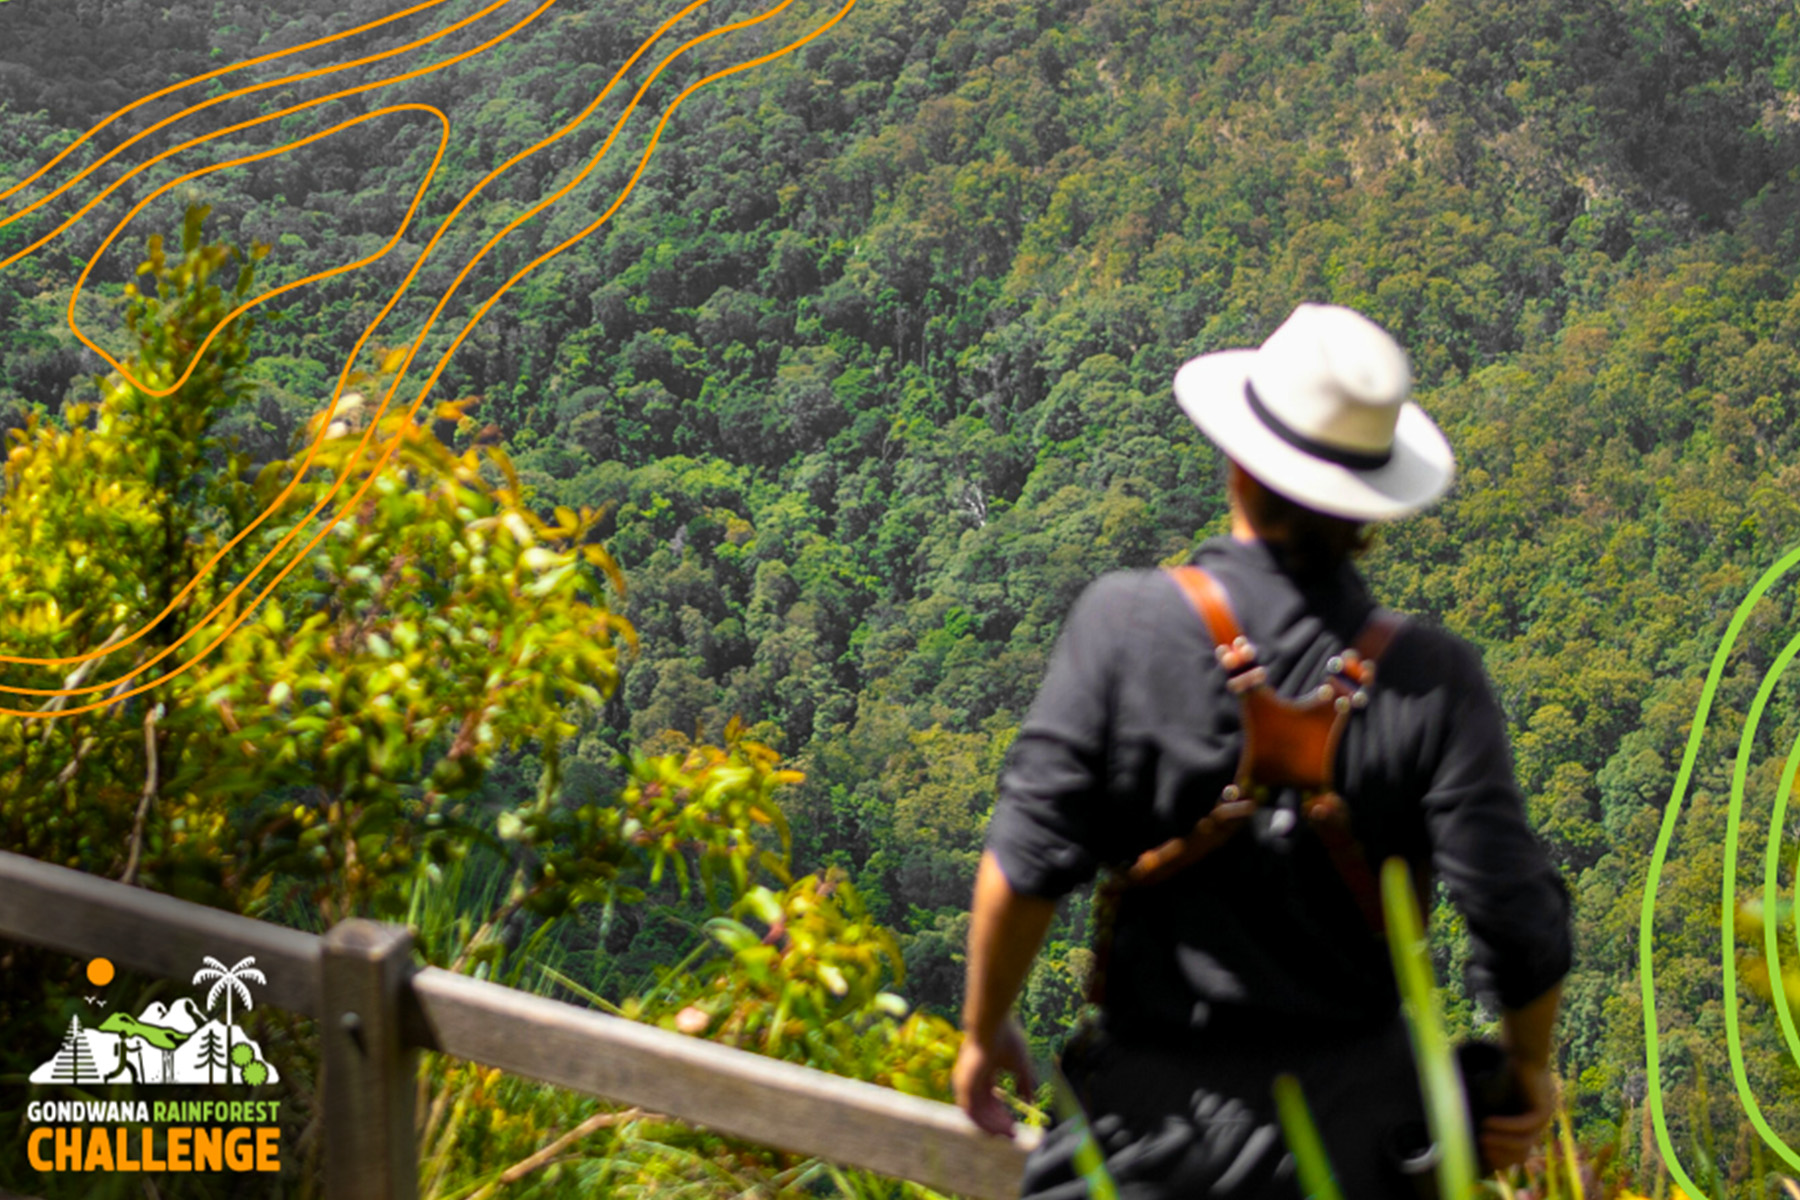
pixel 176 1043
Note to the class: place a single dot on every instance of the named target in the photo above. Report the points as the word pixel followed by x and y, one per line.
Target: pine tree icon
pixel 212 1054
pixel 73 1063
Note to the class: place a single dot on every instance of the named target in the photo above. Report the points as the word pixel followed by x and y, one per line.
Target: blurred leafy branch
pixel 327 758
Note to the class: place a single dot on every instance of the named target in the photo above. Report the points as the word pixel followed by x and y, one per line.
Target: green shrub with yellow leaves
pixel 306 683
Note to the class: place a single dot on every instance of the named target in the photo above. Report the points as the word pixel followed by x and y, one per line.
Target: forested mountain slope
pixel 873 365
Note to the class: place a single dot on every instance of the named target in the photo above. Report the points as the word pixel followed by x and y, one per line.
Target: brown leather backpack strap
pixel 1208 599
pixel 1370 643
pixel 1378 633
pixel 1234 652
pixel 1326 811
pixel 1330 820
pixel 1207 835
pixel 1332 824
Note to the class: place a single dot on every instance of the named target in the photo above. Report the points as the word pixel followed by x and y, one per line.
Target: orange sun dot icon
pixel 100 972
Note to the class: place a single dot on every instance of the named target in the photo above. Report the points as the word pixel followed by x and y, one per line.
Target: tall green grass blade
pixel 1089 1159
pixel 592 997
pixel 1445 1112
pixel 1314 1165
pixel 1570 1157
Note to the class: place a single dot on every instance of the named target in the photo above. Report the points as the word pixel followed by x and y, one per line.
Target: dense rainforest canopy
pixel 864 380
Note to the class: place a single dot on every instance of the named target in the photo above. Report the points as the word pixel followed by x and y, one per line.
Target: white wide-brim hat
pixel 1319 413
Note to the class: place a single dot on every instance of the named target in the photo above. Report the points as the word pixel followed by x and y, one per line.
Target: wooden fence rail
pixel 375 1011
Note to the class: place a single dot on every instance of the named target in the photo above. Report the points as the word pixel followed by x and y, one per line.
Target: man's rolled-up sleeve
pixel 1044 830
pixel 1497 870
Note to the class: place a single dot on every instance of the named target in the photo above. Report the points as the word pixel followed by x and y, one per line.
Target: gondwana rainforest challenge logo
pixel 179 1043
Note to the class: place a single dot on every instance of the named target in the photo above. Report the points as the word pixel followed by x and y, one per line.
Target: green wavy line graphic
pixel 1671 815
pixel 1739 773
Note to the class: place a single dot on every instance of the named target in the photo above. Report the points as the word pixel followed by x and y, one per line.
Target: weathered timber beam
pixel 90 917
pixel 732 1091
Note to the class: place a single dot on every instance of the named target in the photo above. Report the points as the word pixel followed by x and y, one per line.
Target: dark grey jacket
pixel 1133 736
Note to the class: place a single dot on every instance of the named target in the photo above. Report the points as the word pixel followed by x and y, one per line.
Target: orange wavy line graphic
pixel 113 646
pixel 251 124
pixel 229 96
pixel 355 354
pixel 246 306
pixel 343 380
pixel 187 83
pixel 424 392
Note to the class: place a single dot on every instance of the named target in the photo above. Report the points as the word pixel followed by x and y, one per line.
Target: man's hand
pixel 977 1071
pixel 1509 1141
pixel 1525 1032
pixel 1005 931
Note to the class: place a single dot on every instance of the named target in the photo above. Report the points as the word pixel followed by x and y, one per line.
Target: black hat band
pixel 1356 460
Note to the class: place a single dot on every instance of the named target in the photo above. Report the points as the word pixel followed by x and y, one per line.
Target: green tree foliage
pixel 862 384
pixel 332 755
pixel 105 524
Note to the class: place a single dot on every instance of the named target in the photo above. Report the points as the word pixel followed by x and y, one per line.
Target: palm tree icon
pixel 229 981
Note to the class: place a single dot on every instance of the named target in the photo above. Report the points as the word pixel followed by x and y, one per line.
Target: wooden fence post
pixel 370 1073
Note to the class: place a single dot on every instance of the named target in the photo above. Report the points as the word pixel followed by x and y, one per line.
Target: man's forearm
pixel 1526 1031
pixel 1005 931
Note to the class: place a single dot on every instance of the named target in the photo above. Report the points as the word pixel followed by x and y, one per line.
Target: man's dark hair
pixel 1306 542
